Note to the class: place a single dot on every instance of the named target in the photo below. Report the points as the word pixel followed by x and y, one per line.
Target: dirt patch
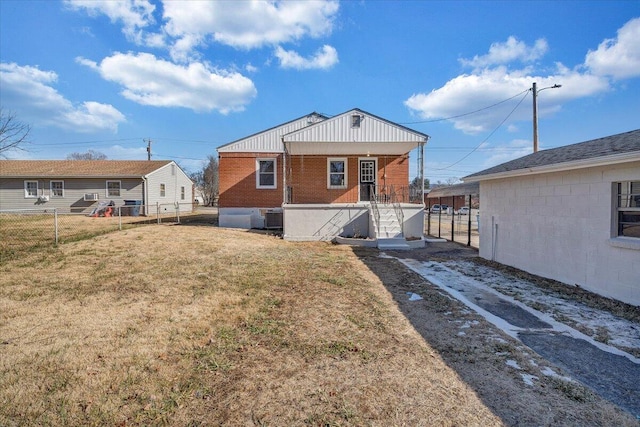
pixel 515 382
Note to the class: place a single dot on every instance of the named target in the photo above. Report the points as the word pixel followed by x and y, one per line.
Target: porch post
pixel 284 172
pixel 422 171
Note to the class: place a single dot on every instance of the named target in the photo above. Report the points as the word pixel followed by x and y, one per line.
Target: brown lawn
pixel 195 325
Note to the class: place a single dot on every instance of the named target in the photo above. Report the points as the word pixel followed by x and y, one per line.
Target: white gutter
pixel 560 167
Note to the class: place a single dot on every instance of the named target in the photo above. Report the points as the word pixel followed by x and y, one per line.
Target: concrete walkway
pixel 609 371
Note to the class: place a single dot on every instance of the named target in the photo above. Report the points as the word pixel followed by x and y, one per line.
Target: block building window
pixel 628 209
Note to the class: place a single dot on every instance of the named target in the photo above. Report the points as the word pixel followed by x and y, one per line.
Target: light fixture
pixel 535 91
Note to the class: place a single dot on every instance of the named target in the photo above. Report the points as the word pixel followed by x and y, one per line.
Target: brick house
pixel 320 178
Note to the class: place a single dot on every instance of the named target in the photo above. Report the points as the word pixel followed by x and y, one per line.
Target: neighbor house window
pixel 266 173
pixel 57 188
pixel 355 121
pixel 30 189
pixel 628 208
pixel 163 190
pixel 182 193
pixel 113 188
pixel 337 173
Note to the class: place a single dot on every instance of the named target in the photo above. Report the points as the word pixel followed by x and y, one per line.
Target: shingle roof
pixel 79 168
pixel 622 143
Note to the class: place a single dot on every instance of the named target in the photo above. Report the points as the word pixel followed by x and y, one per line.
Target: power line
pixel 526 92
pixel 105 141
pixel 466 114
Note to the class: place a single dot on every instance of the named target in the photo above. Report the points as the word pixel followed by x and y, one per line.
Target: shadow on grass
pixel 480 354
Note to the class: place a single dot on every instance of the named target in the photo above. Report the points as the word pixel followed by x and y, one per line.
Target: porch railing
pixel 397 194
pixel 381 194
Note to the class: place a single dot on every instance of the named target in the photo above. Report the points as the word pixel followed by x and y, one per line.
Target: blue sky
pixel 194 75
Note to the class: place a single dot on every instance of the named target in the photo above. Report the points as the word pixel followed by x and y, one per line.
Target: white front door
pixel 367 179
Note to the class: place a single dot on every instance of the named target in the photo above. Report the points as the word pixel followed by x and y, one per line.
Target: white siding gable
pixel 339 129
pixel 270 140
pixel 173 178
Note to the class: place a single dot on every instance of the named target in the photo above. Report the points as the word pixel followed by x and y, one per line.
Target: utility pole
pixel 535 91
pixel 148 141
pixel 535 118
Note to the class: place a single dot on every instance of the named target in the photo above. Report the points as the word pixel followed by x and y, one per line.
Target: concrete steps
pixel 388 230
pixel 393 244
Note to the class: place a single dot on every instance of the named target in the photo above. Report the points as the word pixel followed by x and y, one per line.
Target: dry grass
pixel 20 232
pixel 181 325
pixel 203 326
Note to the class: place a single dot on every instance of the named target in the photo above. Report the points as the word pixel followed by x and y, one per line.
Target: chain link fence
pixel 29 229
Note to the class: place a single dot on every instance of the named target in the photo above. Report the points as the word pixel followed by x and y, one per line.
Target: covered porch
pixel 357 192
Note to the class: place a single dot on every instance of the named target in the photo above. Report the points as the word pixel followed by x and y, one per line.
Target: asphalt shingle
pixel 79 168
pixel 610 145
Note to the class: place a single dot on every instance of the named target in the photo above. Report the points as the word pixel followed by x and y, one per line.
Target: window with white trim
pixel 336 173
pixel 163 190
pixel 30 189
pixel 182 193
pixel 113 188
pixel 266 176
pixel 628 209
pixel 56 188
pixel 355 120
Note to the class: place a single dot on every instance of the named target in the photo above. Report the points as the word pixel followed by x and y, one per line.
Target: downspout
pixel 284 185
pixel 145 193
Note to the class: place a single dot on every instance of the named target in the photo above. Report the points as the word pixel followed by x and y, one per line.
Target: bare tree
pixel 13 133
pixel 89 155
pixel 206 181
pixel 416 183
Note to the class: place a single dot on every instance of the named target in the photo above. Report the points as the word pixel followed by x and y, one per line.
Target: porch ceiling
pixel 352 148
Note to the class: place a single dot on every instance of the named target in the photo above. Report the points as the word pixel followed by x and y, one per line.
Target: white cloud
pixel 507 52
pixel 30 90
pixel 245 24
pixel 324 58
pixel 619 57
pixel 148 80
pixel 468 93
pixel 473 102
pixel 133 14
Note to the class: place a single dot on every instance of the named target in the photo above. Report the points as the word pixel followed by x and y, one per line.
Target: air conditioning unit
pixel 91 197
pixel 273 220
pixel 43 198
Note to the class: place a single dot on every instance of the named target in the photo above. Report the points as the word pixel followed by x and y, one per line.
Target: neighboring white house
pixel 570 213
pixel 78 185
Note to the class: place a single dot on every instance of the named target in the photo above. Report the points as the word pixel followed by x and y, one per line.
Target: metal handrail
pixel 374 206
pixel 397 208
